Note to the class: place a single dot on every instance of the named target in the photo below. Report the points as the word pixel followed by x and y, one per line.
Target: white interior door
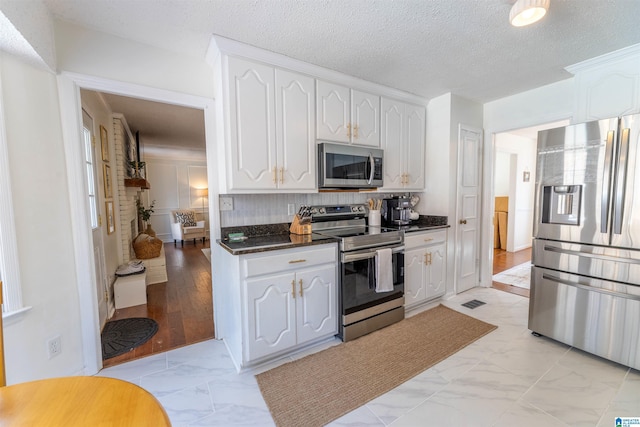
pixel 96 221
pixel 468 207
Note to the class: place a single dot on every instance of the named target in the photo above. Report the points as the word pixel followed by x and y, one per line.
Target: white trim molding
pixel 9 264
pixel 69 85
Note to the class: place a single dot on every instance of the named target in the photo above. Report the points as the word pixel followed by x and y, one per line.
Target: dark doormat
pixel 121 336
pixel 473 303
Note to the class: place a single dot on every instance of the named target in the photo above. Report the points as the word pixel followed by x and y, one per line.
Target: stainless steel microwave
pixel 349 166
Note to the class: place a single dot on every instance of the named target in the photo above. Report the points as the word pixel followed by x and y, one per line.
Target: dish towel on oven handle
pixel 384 273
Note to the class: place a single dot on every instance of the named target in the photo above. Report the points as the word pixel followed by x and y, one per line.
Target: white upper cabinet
pixel 272 128
pixel 345 115
pixel 252 129
pixel 402 128
pixel 365 119
pixel 332 112
pixel 295 131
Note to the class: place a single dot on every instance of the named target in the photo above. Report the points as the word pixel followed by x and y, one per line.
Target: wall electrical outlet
pixel 291 209
pixel 54 346
pixel 226 203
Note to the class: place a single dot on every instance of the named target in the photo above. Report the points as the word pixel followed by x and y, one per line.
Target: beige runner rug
pixel 322 387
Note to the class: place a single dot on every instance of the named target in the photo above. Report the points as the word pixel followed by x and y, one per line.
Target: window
pixel 87 135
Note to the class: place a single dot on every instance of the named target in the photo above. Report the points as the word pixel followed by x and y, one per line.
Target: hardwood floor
pixel 182 306
pixel 503 260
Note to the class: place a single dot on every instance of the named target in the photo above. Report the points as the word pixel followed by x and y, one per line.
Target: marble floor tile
pixel 508 377
pixel 571 397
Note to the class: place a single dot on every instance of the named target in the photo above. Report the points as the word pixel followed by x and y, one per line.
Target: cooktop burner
pixel 348 223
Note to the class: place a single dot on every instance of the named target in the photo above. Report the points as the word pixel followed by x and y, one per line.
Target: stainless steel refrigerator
pixel 585 279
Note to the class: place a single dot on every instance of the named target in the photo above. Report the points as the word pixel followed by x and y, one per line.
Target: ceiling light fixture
pixel 525 12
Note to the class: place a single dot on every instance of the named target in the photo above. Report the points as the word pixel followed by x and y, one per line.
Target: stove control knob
pixel 322 210
pixel 360 208
pixel 354 209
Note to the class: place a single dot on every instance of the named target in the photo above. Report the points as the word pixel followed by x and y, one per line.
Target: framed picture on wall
pixel 104 143
pixel 111 223
pixel 106 169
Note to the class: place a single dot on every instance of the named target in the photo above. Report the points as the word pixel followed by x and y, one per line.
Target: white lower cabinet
pixel 290 299
pixel 425 262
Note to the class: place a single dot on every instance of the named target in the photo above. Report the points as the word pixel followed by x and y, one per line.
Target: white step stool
pixel 156 268
pixel 130 290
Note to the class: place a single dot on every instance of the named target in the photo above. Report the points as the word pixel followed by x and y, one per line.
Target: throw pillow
pixel 187 218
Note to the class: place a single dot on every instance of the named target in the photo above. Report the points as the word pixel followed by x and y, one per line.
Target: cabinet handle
pixel 355 131
pixel 425 259
pixel 281 175
pixel 300 288
pixel 463 221
pixel 275 175
pixel 429 239
pixel 293 288
pixel 348 130
pixel 294 261
pixel 429 258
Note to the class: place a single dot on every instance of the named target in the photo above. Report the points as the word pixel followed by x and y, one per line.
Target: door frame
pixel 69 85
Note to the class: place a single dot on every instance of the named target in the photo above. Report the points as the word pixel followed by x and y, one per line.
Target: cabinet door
pixel 365 119
pixel 437 271
pixel 252 132
pixel 332 112
pixel 414 276
pixel 295 131
pixel 316 303
pixel 414 147
pixel 271 314
pixel 392 140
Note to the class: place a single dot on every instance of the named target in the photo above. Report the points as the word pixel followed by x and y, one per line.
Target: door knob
pixel 463 221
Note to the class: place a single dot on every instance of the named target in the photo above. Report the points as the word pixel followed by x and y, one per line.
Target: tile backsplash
pixel 253 209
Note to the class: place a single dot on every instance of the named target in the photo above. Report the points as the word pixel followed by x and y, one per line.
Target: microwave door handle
pixel 372 164
pixel 606 183
pixel 621 182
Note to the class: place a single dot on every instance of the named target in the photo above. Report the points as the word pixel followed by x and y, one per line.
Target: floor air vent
pixel 473 304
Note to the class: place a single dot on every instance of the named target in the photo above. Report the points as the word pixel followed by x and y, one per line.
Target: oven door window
pixel 358 284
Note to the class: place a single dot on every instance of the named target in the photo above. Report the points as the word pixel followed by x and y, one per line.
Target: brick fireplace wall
pixel 127 196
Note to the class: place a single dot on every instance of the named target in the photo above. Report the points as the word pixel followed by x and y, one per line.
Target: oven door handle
pixel 357 256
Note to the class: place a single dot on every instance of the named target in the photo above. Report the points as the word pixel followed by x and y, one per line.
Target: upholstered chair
pixel 184 226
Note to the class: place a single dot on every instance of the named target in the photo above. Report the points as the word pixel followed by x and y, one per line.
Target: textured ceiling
pixel 161 125
pixel 425 47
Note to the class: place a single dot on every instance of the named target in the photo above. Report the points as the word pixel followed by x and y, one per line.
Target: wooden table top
pixel 80 401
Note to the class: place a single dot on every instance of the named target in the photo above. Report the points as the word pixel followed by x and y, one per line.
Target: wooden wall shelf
pixel 137 182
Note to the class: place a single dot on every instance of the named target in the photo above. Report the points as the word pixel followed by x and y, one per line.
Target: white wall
pixel 100 112
pixel 43 228
pixel 545 104
pixel 173 181
pixel 501 174
pixel 41 190
pixel 521 193
pixel 103 55
pixel 444 115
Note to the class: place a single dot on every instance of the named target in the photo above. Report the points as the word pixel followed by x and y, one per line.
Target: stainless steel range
pixel 371 291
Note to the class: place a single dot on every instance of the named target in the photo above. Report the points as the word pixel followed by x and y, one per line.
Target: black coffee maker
pixel 396 211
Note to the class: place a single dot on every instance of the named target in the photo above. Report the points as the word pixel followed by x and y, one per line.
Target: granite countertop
pixel 269 237
pixel 426 222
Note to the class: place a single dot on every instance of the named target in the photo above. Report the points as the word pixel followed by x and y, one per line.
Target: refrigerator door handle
pixel 621 181
pixel 590 288
pixel 606 183
pixel 591 255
